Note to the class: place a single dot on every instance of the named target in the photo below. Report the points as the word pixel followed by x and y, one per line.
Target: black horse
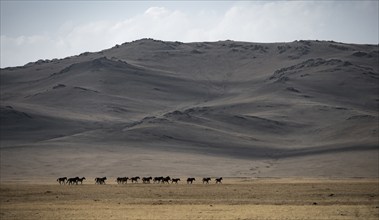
pixel 135 179
pixel 166 179
pixel 190 180
pixel 72 181
pixel 100 181
pixel 80 180
pixel 122 180
pixel 218 180
pixel 157 179
pixel 175 180
pixel 206 180
pixel 62 180
pixel 146 179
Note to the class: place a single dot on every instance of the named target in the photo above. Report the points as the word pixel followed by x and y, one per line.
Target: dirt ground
pixel 234 199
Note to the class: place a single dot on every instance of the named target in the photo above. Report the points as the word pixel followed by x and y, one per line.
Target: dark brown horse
pixel 190 180
pixel 72 181
pixel 157 179
pixel 100 181
pixel 166 179
pixel 122 180
pixel 62 180
pixel 175 180
pixel 218 180
pixel 206 180
pixel 135 179
pixel 146 179
pixel 80 180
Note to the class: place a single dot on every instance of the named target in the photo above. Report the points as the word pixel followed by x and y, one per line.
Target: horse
pixel 62 180
pixel 73 180
pixel 146 179
pixel 80 180
pixel 157 179
pixel 122 180
pixel 218 180
pixel 99 180
pixel 206 180
pixel 175 180
pixel 190 180
pixel 166 179
pixel 135 179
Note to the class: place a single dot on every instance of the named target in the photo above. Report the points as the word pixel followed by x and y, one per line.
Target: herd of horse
pixel 124 180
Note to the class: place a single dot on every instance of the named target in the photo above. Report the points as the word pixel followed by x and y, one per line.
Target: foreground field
pixel 234 199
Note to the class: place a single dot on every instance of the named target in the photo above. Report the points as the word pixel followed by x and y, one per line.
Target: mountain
pixel 150 107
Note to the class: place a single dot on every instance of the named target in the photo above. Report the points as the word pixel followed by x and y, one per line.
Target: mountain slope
pixel 238 101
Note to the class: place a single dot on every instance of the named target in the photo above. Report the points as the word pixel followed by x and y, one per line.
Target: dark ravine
pixel 206 102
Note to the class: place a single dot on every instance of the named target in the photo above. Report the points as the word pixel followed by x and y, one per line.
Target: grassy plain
pixel 234 199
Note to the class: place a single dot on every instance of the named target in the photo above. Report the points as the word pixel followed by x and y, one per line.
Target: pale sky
pixel 33 30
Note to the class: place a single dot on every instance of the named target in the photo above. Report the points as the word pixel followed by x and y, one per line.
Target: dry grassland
pixel 234 199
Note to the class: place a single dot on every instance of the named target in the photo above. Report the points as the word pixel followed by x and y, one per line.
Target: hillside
pixel 149 107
